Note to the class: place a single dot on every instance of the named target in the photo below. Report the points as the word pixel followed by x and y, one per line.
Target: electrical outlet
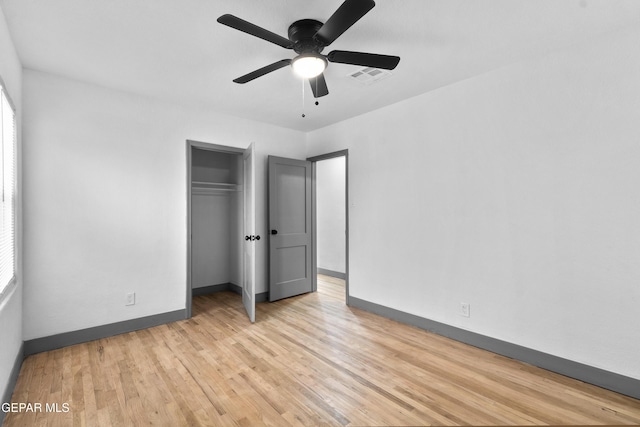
pixel 465 309
pixel 131 298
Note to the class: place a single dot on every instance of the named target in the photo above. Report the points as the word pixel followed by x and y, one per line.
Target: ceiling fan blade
pixel 254 30
pixel 386 62
pixel 319 86
pixel 262 71
pixel 347 14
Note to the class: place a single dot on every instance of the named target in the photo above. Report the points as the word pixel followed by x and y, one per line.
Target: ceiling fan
pixel 308 37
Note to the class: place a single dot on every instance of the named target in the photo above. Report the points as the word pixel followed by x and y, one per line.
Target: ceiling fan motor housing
pixel 302 33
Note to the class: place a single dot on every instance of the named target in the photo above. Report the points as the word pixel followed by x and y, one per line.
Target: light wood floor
pixel 309 360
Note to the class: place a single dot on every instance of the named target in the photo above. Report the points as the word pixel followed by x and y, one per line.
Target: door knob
pixel 274 232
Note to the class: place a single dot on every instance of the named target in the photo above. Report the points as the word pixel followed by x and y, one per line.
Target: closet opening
pixel 215 213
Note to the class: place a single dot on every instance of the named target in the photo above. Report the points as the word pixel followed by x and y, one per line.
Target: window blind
pixel 7 174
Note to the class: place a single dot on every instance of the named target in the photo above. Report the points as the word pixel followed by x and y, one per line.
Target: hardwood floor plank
pixel 309 360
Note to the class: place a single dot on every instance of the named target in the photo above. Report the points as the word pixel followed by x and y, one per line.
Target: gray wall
pixel 211 257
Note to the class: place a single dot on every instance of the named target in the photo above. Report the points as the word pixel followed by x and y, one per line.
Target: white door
pixel 290 224
pixel 249 252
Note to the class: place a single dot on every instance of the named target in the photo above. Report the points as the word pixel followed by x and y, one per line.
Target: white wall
pixel 105 200
pixel 331 214
pixel 515 191
pixel 11 299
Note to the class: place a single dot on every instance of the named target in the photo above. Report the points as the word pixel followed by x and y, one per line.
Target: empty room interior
pixel 345 212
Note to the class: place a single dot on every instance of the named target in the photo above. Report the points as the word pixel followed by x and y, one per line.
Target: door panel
pixel 291 264
pixel 290 199
pixel 249 252
pixel 290 225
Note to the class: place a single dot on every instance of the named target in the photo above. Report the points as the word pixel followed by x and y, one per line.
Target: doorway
pixel 331 223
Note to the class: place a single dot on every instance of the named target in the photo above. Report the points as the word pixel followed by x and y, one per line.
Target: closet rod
pixel 221 184
pixel 214 186
pixel 213 190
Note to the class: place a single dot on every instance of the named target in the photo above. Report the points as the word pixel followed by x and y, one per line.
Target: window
pixel 7 188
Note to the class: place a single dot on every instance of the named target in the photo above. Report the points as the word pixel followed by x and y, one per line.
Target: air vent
pixel 369 75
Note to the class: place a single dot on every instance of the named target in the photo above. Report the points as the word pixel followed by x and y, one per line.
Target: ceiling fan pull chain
pixel 303 115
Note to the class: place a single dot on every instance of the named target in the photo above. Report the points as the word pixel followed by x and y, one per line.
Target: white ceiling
pixel 176 51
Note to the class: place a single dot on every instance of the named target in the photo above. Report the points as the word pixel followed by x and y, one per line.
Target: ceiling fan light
pixel 309 66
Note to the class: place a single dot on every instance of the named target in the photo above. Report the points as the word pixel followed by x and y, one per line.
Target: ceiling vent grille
pixel 369 75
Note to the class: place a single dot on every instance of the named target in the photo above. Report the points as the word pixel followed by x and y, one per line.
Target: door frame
pixel 314 230
pixel 190 145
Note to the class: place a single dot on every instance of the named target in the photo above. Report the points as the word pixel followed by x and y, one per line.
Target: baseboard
pixel 212 289
pixel 54 342
pixel 332 273
pixel 235 288
pixel 589 374
pixel 13 379
pixel 261 297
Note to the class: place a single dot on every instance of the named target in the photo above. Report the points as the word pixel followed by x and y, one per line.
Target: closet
pixel 216 221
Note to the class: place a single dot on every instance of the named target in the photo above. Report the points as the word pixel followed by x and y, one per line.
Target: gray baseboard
pixel 206 290
pixel 261 297
pixel 332 273
pixel 13 379
pixel 235 288
pixel 53 342
pixel 589 374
